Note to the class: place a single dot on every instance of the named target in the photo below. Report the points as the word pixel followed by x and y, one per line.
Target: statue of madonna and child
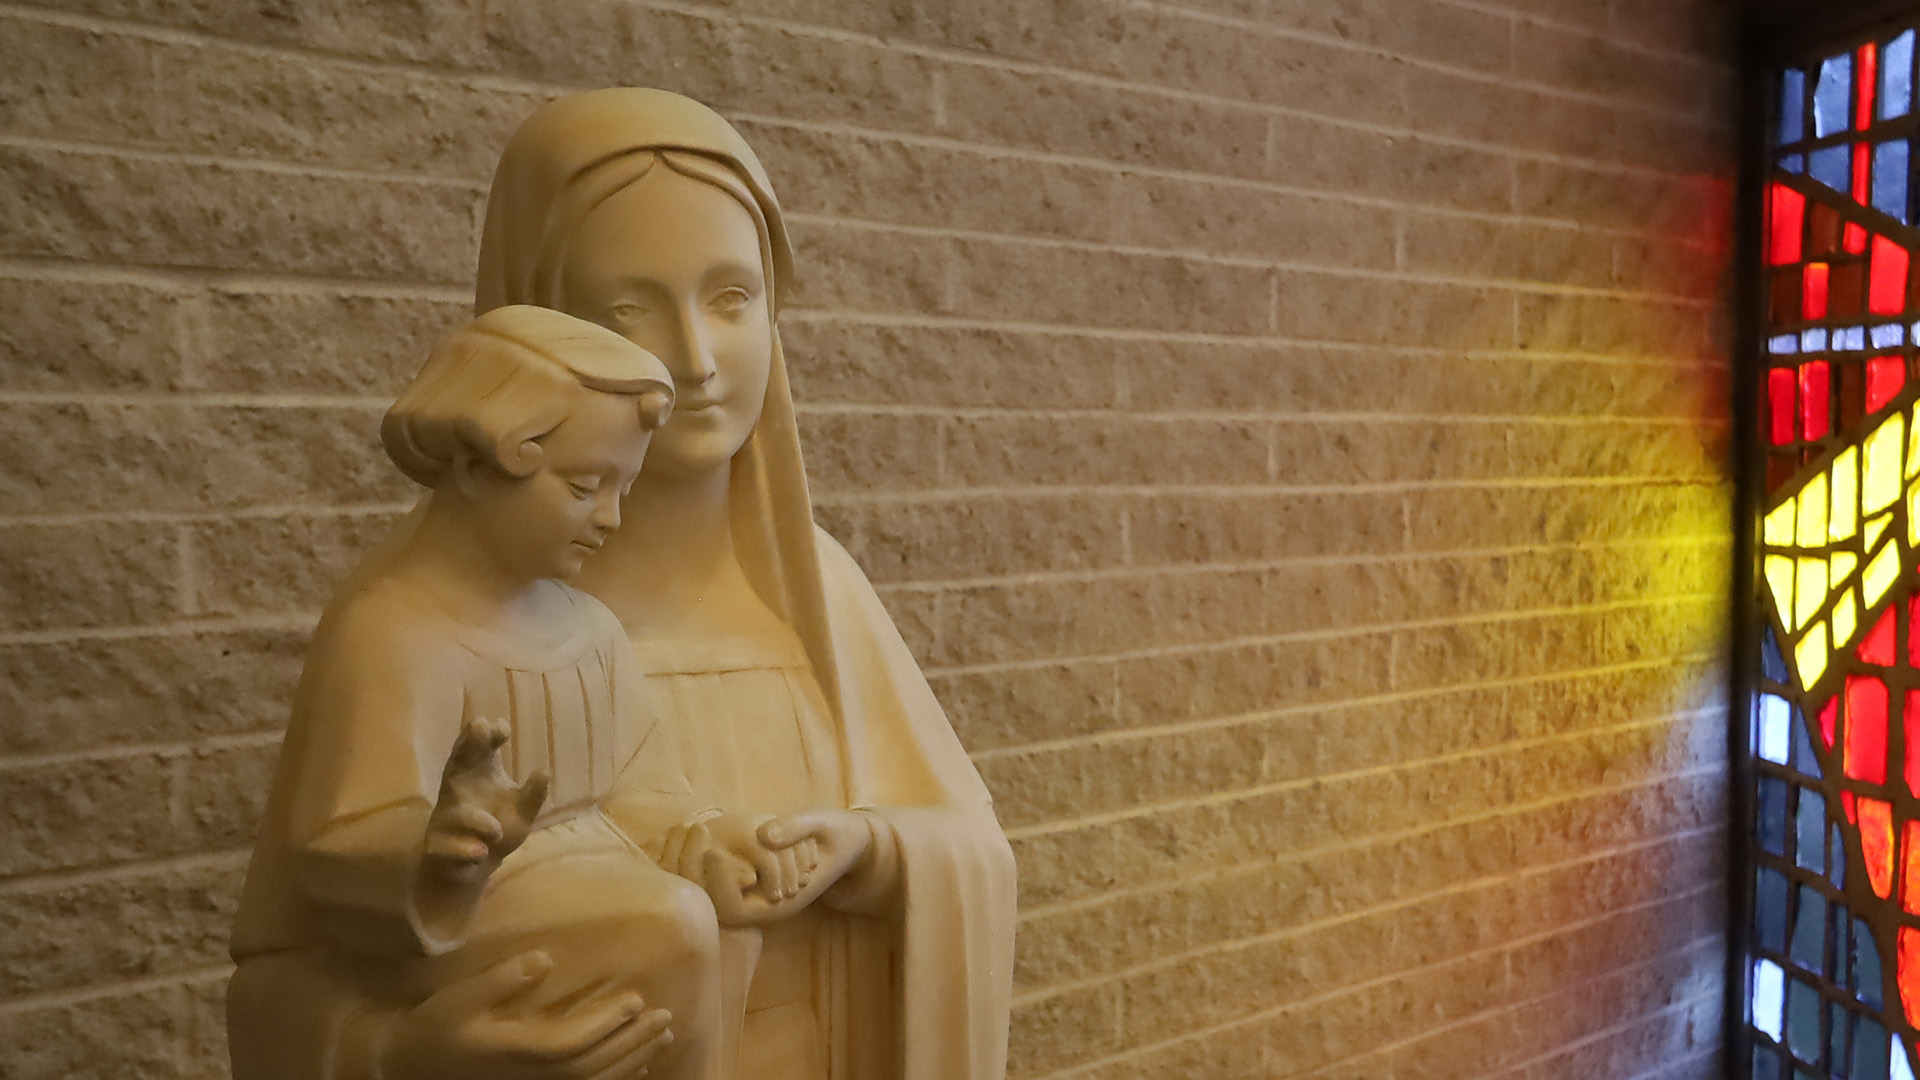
pixel 608 763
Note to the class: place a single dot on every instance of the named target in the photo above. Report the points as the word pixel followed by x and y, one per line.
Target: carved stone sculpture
pixel 693 813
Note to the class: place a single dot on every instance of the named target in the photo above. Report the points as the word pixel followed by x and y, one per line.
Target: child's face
pixel 545 525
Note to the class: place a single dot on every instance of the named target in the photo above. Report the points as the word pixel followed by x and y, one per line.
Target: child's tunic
pixel 389 683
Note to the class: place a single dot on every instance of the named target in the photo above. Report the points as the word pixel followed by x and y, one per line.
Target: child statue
pixel 470 731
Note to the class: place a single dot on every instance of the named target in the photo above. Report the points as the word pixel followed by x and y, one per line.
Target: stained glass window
pixel 1833 935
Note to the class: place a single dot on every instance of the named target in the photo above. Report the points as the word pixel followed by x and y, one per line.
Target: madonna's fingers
pixel 578 1030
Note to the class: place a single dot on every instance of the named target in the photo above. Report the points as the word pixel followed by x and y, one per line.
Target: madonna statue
pixel 807 882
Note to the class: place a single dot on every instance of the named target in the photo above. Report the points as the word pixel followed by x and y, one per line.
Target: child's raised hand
pixel 481 815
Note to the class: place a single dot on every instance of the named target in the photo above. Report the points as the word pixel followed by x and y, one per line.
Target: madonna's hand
pixel 475 1029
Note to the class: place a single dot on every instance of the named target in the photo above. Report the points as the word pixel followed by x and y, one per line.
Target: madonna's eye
pixel 627 311
pixel 731 299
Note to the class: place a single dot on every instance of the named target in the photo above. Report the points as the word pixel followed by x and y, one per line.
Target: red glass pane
pixel 1786 218
pixel 1862 170
pixel 1910 867
pixel 1828 716
pixel 1813 292
pixel 1854 237
pixel 1865 82
pixel 1816 401
pixel 1887 292
pixel 1877 646
pixel 1780 402
pixel 1885 376
pixel 1846 804
pixel 1910 720
pixel 1876 843
pixel 1865 756
pixel 1908 972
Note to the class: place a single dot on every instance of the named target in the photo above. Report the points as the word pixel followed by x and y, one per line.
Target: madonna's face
pixel 674 264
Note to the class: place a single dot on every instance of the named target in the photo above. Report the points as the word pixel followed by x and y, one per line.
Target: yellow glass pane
pixel 1874 527
pixel 1846 494
pixel 1813 512
pixel 1913 523
pixel 1913 451
pixel 1842 563
pixel 1846 619
pixel 1778 528
pixel 1810 656
pixel 1881 572
pixel 1880 483
pixel 1779 571
pixel 1809 589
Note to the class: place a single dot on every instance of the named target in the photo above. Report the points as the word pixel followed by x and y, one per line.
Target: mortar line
pixel 170 750
pixel 44 881
pixel 1229 416
pixel 52 999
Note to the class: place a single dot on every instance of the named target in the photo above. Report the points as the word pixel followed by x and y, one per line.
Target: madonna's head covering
pixel 569 157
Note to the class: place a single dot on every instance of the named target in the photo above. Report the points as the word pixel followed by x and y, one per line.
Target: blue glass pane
pixel 1803 1020
pixel 1889 336
pixel 1793 105
pixel 1896 77
pixel 1771 665
pixel 1793 163
pixel 1836 859
pixel 1890 178
pixel 1902 1067
pixel 1832 167
pixel 1770 909
pixel 1771 826
pixel 1766 1064
pixel 1810 932
pixel 1869 1038
pixel 1810 831
pixel 1814 340
pixel 1804 758
pixel 1832 97
pixel 1866 965
pixel 1837 1038
pixel 1850 339
pixel 1782 344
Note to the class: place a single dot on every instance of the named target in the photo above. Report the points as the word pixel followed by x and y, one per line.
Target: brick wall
pixel 1290 433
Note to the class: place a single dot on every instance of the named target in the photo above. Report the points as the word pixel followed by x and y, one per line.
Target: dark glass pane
pixel 1793 105
pixel 1866 966
pixel 1896 77
pixel 1804 758
pixel 1832 95
pixel 1810 831
pixel 1810 932
pixel 1890 179
pixel 1772 665
pixel 1832 167
pixel 1770 909
pixel 1836 859
pixel 1766 1064
pixel 1869 1045
pixel 1836 1039
pixel 1803 1020
pixel 1771 828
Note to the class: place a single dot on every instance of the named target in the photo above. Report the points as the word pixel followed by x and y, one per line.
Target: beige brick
pixel 207 1053
pixel 1413 29
pixel 1057 1031
pixel 72 335
pixel 1213 528
pixel 1505 251
pixel 87 813
pixel 78 458
pixel 91 574
pixel 917 616
pixel 321 342
pixel 990 536
pixel 123 927
pixel 427 30
pixel 1124 291
pixel 1232 680
pixel 848 453
pixel 117 208
pixel 1066 116
pixel 1384 311
pixel 1597 65
pixel 729 64
pixel 1019 706
pixel 125 1036
pixel 77 695
pixel 1102 777
pixel 278 565
pixel 851 269
pixel 1465 518
pixel 1012 450
pixel 222 795
pixel 71 83
pixel 1690 207
pixel 847 362
pixel 1403 167
pixel 1706 30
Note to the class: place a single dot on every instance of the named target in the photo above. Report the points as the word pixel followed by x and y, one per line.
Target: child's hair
pixel 497 385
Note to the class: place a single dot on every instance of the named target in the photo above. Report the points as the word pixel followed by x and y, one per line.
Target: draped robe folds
pixel 918 988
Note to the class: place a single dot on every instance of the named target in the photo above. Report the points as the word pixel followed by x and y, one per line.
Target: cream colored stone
pixel 726 832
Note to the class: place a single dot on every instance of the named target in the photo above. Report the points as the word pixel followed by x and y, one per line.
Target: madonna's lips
pixel 696 404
